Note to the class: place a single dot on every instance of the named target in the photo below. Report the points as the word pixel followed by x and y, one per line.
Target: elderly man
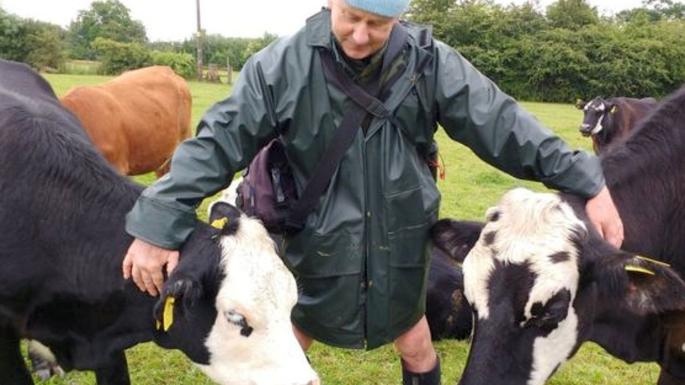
pixel 361 258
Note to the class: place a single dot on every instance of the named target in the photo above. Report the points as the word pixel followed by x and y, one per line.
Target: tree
pixel 46 45
pixel 668 9
pixel 117 57
pixel 572 14
pixel 12 46
pixel 107 19
pixel 36 43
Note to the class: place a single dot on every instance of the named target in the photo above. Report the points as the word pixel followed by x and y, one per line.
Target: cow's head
pixel 232 299
pixel 537 280
pixel 596 113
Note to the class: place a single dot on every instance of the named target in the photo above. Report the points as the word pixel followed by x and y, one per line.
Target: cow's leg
pixel 115 373
pixel 12 367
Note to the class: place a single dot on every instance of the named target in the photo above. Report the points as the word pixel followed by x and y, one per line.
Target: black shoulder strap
pixel 364 102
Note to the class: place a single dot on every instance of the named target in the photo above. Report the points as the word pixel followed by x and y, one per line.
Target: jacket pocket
pixel 311 255
pixel 404 209
pixel 328 272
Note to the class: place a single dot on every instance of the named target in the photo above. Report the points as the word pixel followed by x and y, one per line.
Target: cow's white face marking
pixel 599 108
pixel 598 127
pixel 530 227
pixel 258 293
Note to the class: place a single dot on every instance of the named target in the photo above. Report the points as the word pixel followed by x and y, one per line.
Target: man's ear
pixel 643 285
pixel 455 238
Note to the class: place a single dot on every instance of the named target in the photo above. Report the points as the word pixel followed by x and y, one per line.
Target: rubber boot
pixel 431 377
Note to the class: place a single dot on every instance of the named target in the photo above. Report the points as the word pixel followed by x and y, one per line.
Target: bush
pixel 118 57
pixel 182 63
pixel 35 43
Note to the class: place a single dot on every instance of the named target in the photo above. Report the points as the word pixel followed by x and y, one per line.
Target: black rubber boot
pixel 431 377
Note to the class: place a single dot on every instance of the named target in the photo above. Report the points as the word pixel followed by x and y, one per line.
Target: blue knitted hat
pixel 388 8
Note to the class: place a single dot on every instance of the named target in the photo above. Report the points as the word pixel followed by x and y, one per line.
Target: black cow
pixel 62 212
pixel 607 120
pixel 542 282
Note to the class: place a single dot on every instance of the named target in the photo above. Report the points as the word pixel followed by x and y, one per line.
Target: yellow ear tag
pixel 638 269
pixel 219 223
pixel 168 314
pixel 654 261
pixel 613 110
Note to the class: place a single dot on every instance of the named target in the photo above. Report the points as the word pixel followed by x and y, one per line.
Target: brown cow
pixel 137 119
pixel 607 120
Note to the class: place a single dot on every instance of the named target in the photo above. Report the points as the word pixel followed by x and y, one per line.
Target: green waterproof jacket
pixel 362 259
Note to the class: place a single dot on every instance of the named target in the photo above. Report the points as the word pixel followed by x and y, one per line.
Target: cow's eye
pixel 239 320
pixel 548 316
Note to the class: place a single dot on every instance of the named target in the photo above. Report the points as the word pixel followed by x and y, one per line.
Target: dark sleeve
pixel 228 136
pixel 475 112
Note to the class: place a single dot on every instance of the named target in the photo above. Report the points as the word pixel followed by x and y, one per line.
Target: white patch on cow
pixel 550 351
pixel 531 227
pixel 682 348
pixel 598 127
pixel 477 267
pixel 259 288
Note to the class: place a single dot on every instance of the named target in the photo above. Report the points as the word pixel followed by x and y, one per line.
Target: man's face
pixel 359 33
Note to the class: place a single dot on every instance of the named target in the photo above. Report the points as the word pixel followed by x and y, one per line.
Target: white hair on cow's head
pixel 529 230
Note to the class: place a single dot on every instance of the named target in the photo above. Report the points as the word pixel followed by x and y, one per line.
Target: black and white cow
pixel 447 312
pixel 541 280
pixel 226 306
pixel 608 120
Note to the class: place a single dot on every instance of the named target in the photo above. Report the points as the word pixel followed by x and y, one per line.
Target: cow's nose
pixel 584 128
pixel 314 382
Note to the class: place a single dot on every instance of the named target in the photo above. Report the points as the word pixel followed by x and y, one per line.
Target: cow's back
pixel 49 178
pixel 136 119
pixel 633 111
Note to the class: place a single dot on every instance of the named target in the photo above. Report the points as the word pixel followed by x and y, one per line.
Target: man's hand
pixel 144 263
pixel 603 214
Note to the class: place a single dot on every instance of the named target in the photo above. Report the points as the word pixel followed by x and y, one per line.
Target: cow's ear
pixel 580 104
pixel 455 238
pixel 644 285
pixel 179 293
pixel 224 217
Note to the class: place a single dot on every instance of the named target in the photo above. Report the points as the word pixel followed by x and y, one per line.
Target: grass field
pixel 469 188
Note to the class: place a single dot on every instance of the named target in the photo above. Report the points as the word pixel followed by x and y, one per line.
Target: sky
pixel 176 20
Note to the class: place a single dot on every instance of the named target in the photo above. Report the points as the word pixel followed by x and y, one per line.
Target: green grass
pixel 469 189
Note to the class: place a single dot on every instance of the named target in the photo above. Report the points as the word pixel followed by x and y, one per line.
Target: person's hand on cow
pixel 144 263
pixel 604 216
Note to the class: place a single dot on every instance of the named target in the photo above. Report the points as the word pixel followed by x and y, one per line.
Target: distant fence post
pixel 213 73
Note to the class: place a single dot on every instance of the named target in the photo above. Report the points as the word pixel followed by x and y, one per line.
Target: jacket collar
pixel 318 29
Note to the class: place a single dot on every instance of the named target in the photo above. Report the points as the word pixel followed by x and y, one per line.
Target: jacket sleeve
pixel 228 136
pixel 475 112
